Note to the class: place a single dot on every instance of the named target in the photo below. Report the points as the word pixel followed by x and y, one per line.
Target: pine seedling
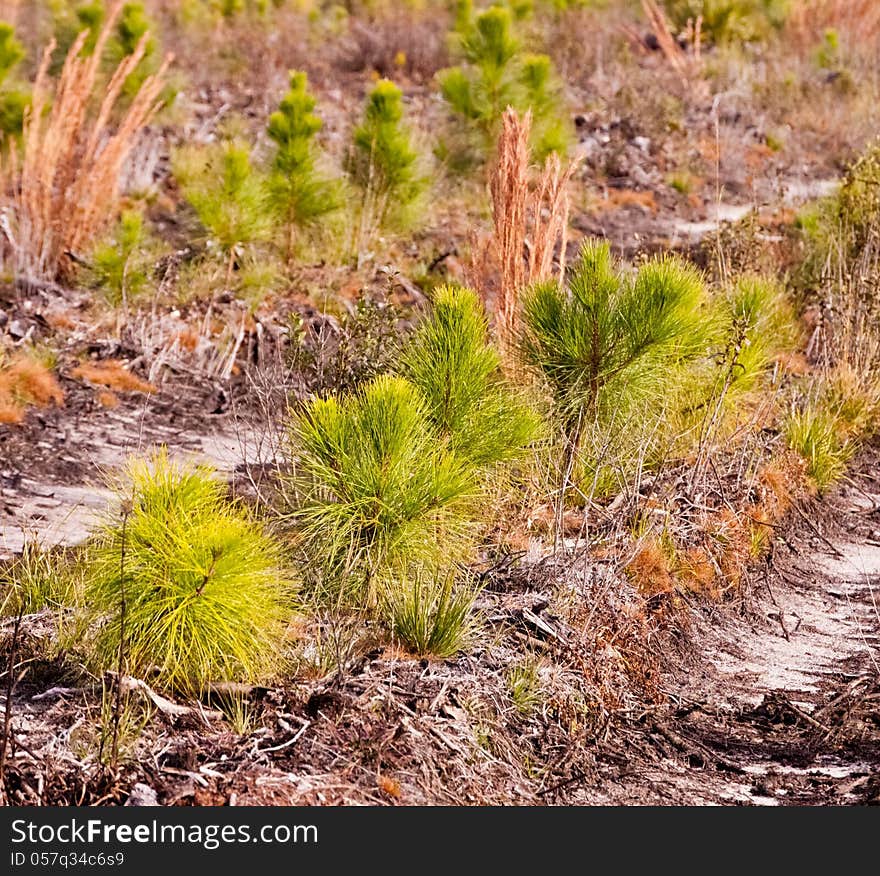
pixel 119 268
pixel 13 100
pixel 381 493
pixel 384 164
pixel 496 73
pixel 472 408
pixel 132 25
pixel 298 193
pixel 228 195
pixel 203 585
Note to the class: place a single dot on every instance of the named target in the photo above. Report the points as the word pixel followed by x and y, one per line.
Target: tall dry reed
pixel 64 190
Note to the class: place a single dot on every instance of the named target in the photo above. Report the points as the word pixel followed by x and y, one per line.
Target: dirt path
pixel 782 703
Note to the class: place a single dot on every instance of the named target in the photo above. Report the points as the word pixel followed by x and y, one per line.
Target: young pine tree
pixel 132 24
pixel 118 263
pixel 13 100
pixel 381 493
pixel 228 195
pixel 298 193
pixel 611 349
pixel 384 163
pixel 195 589
pixel 497 73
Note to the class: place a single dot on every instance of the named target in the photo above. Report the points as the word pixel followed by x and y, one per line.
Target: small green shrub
pixel 382 493
pixel 13 100
pixel 118 264
pixel 343 357
pixel 384 164
pixel 471 406
pixel 430 616
pixel 814 432
pixel 497 73
pixel 610 339
pixel 132 24
pixel 228 195
pixel 835 229
pixel 298 193
pixel 196 589
pixel 613 350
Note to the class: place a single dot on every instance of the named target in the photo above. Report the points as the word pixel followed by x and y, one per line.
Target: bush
pixel 118 265
pixel 612 350
pixel 609 340
pixel 471 406
pixel 429 616
pixel 384 164
pixel 227 194
pixel 814 432
pixel 194 586
pixel 298 193
pixel 131 25
pixel 13 100
pixel 394 469
pixel 382 492
pixel 497 73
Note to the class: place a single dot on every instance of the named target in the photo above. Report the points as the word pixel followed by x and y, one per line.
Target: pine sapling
pixel 473 409
pixel 13 100
pixel 194 587
pixel 118 264
pixel 299 194
pixel 228 195
pixel 384 163
pixel 495 74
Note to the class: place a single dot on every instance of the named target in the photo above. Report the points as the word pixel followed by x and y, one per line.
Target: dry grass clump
pixel 697 571
pixel 687 67
pixel 66 186
pixel 402 41
pixel 651 568
pixel 26 381
pixel 530 222
pixel 113 375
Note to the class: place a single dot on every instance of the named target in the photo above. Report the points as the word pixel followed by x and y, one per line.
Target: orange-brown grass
pixel 59 319
pixel 66 188
pixel 108 399
pixel 23 382
pixel 389 786
pixel 730 537
pixel 113 375
pixel 188 340
pixel 617 199
pixel 650 569
pixel 781 481
pixel 697 572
